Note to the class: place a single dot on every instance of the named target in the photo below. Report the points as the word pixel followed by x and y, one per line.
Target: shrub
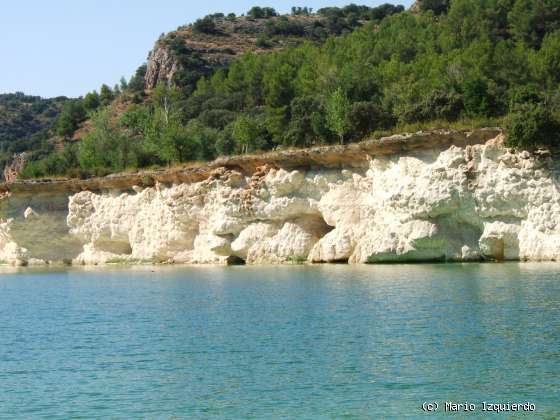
pixel 92 101
pixel 205 25
pixel 73 113
pixel 225 144
pixel 263 42
pixel 136 84
pixel 477 97
pixel 365 117
pixel 530 125
pixel 106 95
pixel 437 6
pixel 216 118
pixel 261 12
pixel 284 26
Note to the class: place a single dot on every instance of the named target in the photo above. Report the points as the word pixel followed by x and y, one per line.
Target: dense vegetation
pixel 480 61
pixel 24 121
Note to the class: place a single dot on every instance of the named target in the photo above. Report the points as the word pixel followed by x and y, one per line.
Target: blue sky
pixel 69 47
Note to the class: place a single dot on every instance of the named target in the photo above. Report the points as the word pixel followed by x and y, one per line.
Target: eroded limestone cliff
pixel 447 196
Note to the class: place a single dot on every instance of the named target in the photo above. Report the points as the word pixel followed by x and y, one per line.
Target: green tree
pixel 123 84
pixel 365 117
pixel 479 59
pixel 246 133
pixel 106 95
pixel 92 101
pixel 531 20
pixel 437 6
pixel 225 143
pixel 546 62
pixel 136 84
pixel 337 113
pixel 477 97
pixel 261 12
pixel 201 141
pixel 205 25
pixel 73 113
pixel 177 143
pixel 105 147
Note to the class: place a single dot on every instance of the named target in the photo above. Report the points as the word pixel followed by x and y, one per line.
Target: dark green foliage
pixel 351 16
pixel 24 122
pixel 92 101
pixel 106 95
pixel 205 25
pixel 301 131
pixel 434 105
pixel 531 20
pixel 284 26
pixel 301 11
pixel 54 164
pixel 261 12
pixel 532 124
pixel 225 143
pixel 365 117
pixel 105 147
pixel 136 83
pixel 437 6
pixel 73 113
pixel 216 118
pixel 381 12
pixel 458 60
pixel 192 65
pixel 477 98
pixel 546 62
pixel 524 94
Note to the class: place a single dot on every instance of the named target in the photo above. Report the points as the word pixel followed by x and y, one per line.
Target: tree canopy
pixel 474 60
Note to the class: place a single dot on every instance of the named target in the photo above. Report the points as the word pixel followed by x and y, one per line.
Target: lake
pixel 327 341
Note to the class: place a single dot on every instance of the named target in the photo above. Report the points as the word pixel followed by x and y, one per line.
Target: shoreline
pixel 442 196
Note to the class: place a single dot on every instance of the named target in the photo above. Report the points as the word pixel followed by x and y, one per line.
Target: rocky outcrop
pixel 447 202
pixel 12 170
pixel 162 66
pixel 203 53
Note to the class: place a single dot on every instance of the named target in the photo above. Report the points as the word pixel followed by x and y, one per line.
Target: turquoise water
pixel 278 342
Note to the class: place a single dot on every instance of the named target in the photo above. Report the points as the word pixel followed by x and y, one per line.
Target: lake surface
pixel 328 341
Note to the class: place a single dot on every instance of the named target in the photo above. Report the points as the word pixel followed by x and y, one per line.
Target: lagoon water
pixel 326 341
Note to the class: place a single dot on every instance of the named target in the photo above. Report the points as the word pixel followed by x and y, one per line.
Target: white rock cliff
pixel 449 204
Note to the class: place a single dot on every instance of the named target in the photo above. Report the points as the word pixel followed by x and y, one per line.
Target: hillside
pixel 187 50
pixel 233 85
pixel 182 56
pixel 24 121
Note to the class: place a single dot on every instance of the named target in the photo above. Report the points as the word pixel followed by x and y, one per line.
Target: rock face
pixel 12 171
pixel 162 66
pixel 450 203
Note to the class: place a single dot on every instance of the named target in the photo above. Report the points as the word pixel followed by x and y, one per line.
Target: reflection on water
pixel 319 341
